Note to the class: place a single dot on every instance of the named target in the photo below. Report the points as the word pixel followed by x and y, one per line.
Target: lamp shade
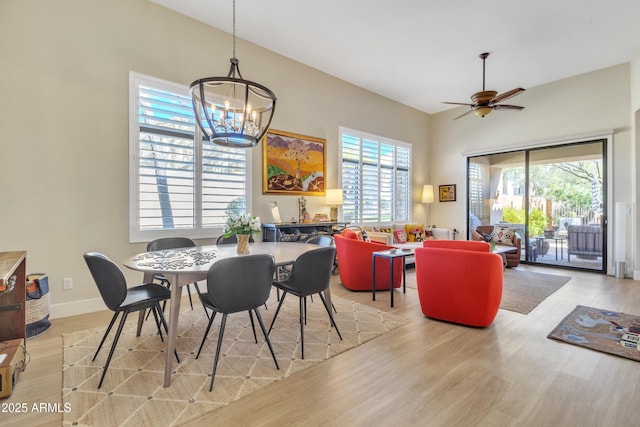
pixel 427 193
pixel 482 111
pixel 334 197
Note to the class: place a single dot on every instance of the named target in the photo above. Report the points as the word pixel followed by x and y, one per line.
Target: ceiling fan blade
pixel 507 107
pixel 459 103
pixel 507 95
pixel 464 114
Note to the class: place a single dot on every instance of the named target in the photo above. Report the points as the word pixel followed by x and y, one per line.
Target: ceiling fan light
pixel 482 111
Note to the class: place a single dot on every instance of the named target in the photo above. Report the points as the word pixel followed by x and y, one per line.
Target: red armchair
pixel 459 281
pixel 354 264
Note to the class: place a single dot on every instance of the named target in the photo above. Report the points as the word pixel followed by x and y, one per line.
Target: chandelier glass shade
pixel 232 111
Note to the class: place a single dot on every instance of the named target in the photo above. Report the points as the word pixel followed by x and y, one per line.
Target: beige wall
pixel 64 124
pixel 575 107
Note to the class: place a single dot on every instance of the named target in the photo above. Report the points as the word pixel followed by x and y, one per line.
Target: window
pixel 180 184
pixel 375 178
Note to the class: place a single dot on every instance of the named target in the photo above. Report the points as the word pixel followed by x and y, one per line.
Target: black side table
pixel 391 255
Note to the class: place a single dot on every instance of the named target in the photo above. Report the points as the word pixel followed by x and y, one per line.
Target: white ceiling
pixel 423 52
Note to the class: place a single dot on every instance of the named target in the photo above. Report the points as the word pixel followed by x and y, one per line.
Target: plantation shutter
pixel 375 178
pixel 167 161
pixel 180 183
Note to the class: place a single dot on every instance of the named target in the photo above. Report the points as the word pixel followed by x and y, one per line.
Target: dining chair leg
pixel 155 316
pixel 218 347
pixel 113 347
pixel 326 307
pixel 303 315
pixel 253 327
pixel 189 295
pixel 166 328
pixel 200 298
pixel 206 332
pixel 104 337
pixel 275 316
pixel 266 337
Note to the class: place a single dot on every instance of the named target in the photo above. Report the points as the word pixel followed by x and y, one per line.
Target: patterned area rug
pixel 525 290
pixel 132 393
pixel 600 330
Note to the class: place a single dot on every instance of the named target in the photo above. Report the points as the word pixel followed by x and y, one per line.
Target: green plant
pixel 242 224
pixel 537 222
pixel 513 215
pixel 537 219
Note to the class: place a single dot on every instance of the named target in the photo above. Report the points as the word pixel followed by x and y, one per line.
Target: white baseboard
pixel 74 308
pixel 92 305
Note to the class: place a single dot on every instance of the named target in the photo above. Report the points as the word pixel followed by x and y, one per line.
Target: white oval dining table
pixel 188 265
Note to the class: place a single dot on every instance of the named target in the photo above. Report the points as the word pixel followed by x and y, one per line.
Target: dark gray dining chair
pixel 235 285
pixel 311 274
pixel 321 239
pixel 120 299
pixel 173 243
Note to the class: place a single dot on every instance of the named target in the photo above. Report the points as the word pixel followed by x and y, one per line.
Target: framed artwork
pixel 447 193
pixel 293 164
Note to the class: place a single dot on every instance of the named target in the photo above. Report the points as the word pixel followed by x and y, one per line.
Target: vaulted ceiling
pixel 423 52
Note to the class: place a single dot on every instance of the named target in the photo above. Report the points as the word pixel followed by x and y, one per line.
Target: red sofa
pixel 459 281
pixel 354 263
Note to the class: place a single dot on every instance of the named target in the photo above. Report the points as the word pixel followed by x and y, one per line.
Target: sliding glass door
pixel 554 197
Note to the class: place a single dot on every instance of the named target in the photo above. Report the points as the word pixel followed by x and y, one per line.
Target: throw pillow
pixel 415 232
pixel 399 236
pixel 503 235
pixel 488 237
pixel 385 229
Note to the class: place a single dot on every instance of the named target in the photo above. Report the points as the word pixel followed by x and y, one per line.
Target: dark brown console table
pixel 12 295
pixel 294 232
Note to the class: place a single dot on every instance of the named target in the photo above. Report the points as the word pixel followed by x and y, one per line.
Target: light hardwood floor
pixel 424 373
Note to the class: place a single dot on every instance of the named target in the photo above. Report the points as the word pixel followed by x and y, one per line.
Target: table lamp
pixel 427 198
pixel 334 199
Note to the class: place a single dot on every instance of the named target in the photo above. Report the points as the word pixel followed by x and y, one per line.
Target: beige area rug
pixel 522 290
pixel 132 393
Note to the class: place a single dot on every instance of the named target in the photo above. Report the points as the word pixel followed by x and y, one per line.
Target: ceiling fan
pixel 488 100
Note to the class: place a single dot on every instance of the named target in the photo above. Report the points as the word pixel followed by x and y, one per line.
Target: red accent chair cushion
pixel 354 263
pixel 459 281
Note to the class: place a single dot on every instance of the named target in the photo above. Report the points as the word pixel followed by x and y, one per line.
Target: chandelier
pixel 232 111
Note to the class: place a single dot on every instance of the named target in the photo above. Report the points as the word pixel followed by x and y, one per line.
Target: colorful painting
pixel 447 193
pixel 293 164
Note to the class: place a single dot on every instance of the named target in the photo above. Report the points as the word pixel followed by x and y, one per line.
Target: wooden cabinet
pixel 13 295
pixel 294 232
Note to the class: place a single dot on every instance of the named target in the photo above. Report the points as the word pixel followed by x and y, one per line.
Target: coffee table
pixel 391 255
pixel 503 250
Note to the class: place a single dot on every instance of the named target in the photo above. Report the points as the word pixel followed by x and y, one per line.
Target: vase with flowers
pixel 243 227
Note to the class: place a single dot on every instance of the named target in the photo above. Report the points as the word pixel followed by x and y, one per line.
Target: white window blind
pixel 375 178
pixel 180 184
